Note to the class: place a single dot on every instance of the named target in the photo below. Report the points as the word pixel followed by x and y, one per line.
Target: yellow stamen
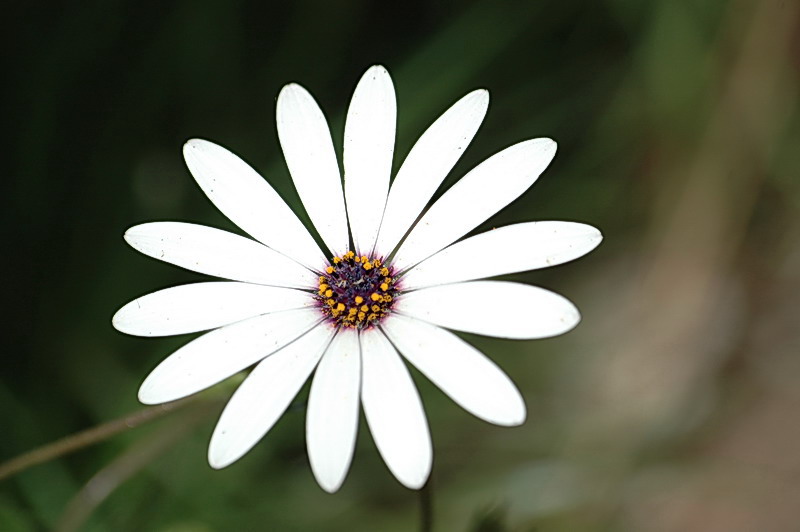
pixel 355 311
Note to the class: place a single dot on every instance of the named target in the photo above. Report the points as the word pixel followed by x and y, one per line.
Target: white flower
pixel 288 309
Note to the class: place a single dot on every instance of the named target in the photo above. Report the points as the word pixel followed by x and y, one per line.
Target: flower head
pixel 388 286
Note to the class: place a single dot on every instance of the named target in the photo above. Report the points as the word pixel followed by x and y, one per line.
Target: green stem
pixel 125 466
pixel 79 440
pixel 426 507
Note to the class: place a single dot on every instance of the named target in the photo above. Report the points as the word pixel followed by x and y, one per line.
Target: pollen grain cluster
pixel 356 291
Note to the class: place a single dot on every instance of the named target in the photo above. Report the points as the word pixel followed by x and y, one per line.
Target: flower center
pixel 356 291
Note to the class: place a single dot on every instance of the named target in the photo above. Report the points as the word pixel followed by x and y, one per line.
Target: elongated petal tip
pixel 480 96
pixel 131 234
pixel 478 99
pixel 193 145
pixel 118 320
pixel 330 485
pixel 415 477
pixel 199 148
pixel 291 90
pixel 219 460
pixel 514 417
pixel 571 319
pixel 291 87
pixel 547 140
pixel 414 484
pixel 377 70
pixel 196 142
pixel 216 462
pixel 148 396
pixel 547 144
pixel 596 236
pixel 154 393
pixel 155 390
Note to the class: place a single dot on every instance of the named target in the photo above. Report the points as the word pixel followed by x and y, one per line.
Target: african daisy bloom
pixel 391 284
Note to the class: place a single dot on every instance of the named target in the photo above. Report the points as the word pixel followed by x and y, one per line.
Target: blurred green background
pixel 672 407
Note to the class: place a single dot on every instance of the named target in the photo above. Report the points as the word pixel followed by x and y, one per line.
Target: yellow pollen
pixel 354 290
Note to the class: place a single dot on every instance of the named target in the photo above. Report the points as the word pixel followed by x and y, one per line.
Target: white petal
pixel 461 371
pixel 264 396
pixel 242 195
pixel 427 164
pixel 394 411
pixel 368 148
pixel 201 306
pixel 489 187
pixel 308 148
pixel 492 308
pixel 219 354
pixel 332 418
pixel 219 253
pixel 509 249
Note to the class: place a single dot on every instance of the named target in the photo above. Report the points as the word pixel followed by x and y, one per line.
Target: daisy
pixel 392 284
